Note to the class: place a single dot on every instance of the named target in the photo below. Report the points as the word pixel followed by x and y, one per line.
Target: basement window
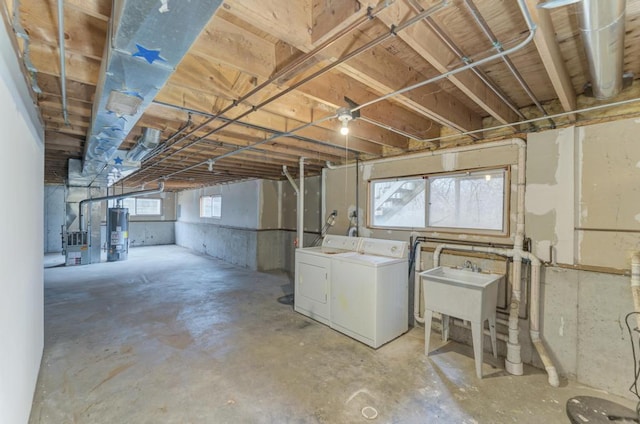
pixel 470 202
pixel 398 203
pixel 148 206
pixel 211 206
pixel 140 206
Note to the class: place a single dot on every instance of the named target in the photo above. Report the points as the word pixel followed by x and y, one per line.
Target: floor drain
pixel 369 412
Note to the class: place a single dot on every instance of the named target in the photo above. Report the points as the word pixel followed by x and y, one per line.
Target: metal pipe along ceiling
pixel 498 46
pixel 287 70
pixel 63 67
pixel 465 59
pixel 376 41
pixel 160 189
pixel 530 27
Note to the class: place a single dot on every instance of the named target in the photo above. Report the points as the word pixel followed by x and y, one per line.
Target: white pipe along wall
pixel 513 362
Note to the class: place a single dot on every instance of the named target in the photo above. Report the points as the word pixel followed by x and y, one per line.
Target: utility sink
pixel 460 277
pixel 464 294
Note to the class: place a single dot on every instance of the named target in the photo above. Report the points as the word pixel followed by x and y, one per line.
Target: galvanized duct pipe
pixel 602 27
pixel 371 13
pixel 146 42
pixel 160 189
pixel 149 141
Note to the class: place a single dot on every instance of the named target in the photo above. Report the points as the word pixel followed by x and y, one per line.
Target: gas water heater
pixel 117 234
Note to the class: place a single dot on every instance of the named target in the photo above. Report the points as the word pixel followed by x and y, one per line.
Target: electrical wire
pixel 636 365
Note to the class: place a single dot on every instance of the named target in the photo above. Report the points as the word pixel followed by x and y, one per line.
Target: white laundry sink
pixel 464 294
pixel 460 277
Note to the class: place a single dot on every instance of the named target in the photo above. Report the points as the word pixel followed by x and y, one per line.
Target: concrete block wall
pixel 257 226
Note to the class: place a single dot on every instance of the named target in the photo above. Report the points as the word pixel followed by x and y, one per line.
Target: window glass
pixel 216 206
pixel 474 201
pixel 205 206
pixel 398 203
pixel 148 206
pixel 463 201
pixel 211 206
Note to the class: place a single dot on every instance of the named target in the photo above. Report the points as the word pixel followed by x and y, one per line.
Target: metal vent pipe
pixel 148 141
pixel 160 189
pixel 602 27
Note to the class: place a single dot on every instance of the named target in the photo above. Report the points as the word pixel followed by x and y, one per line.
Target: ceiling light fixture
pixel 210 162
pixel 344 116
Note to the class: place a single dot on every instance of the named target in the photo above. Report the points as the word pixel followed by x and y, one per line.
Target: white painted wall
pixel 21 224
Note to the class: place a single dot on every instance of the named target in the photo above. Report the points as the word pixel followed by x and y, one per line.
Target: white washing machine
pixel 313 275
pixel 369 292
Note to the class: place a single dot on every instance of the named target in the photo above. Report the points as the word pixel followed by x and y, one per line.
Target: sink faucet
pixel 471 265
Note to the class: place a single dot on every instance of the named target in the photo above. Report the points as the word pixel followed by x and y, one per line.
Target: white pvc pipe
pixel 301 206
pixel 534 307
pixel 417 285
pixel 534 322
pixel 461 323
pixel 285 171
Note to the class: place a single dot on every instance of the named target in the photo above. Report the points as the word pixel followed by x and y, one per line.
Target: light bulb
pixel 344 130
pixel 487 177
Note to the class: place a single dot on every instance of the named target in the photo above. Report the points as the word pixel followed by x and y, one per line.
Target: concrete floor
pixel 173 337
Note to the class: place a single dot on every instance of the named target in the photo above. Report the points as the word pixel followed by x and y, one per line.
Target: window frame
pixel 370 208
pixel 506 221
pixel 212 197
pixel 156 199
pixel 133 211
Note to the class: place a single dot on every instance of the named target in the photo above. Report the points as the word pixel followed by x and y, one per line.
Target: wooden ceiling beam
pixel 331 89
pixel 376 67
pixel 221 41
pixel 50 86
pixel 193 99
pixel 552 59
pixel 79 68
pixel 424 41
pixel 252 45
pixel 154 116
pixel 84 34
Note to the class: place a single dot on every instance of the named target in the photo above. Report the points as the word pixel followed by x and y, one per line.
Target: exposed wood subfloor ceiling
pixel 250 42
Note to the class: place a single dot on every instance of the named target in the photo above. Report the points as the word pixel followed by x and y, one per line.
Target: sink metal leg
pixel 478 338
pixel 445 327
pixel 492 330
pixel 428 315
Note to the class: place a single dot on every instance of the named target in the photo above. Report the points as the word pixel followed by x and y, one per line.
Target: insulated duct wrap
pixel 147 39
